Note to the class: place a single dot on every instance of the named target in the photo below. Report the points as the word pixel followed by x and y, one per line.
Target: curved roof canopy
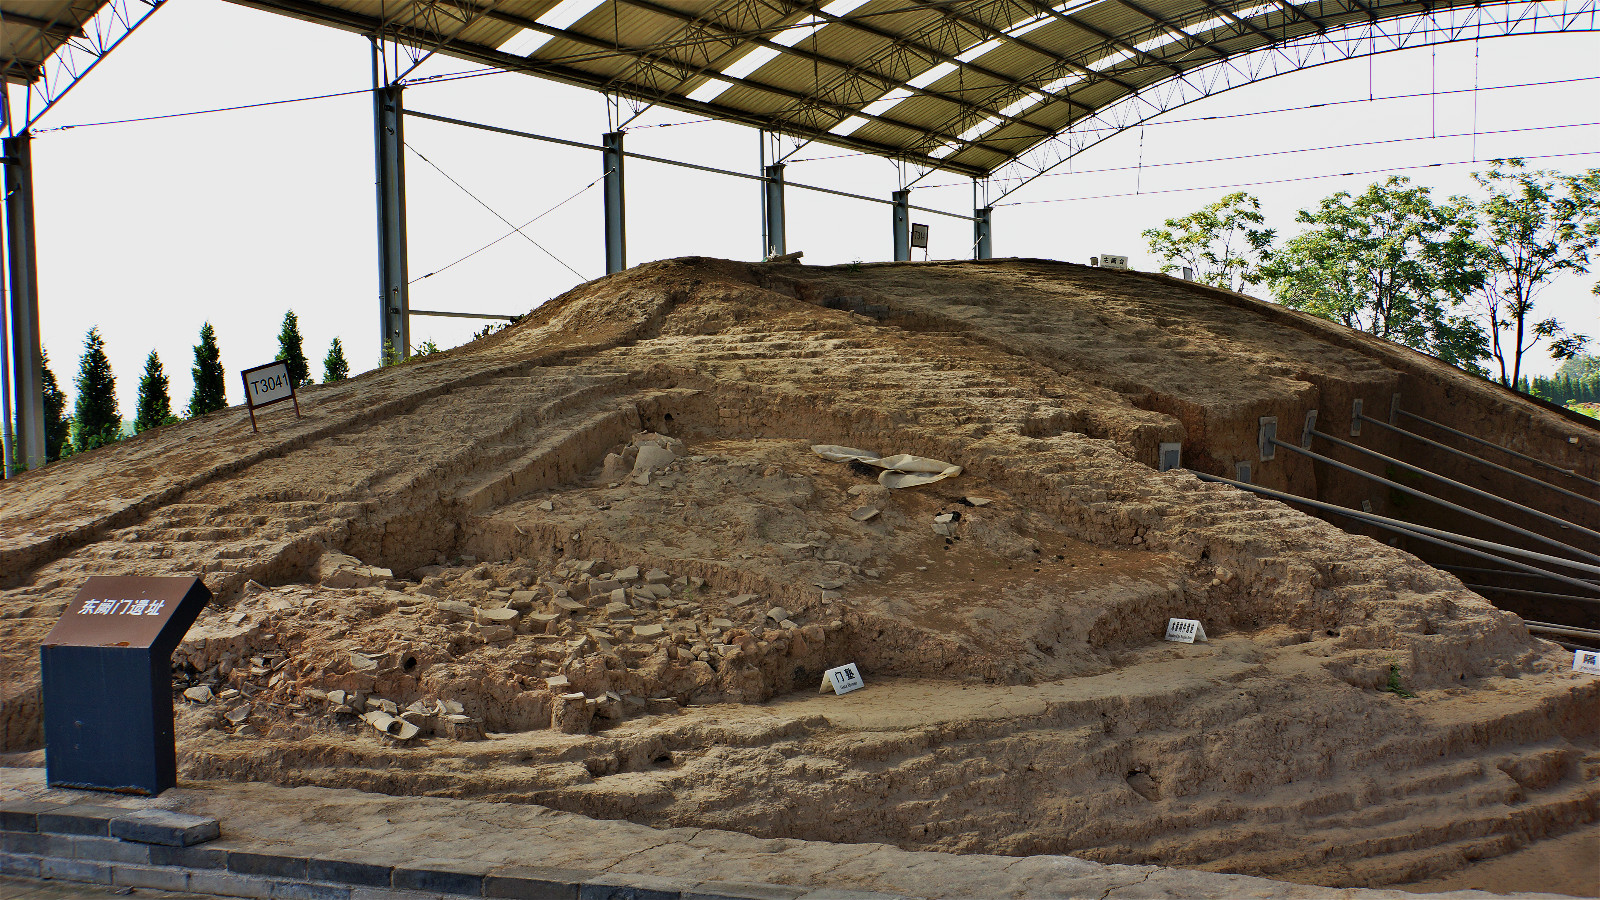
pixel 962 85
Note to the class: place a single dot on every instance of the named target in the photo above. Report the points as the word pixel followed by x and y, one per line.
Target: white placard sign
pixel 1185 630
pixel 267 384
pixel 1586 661
pixel 842 679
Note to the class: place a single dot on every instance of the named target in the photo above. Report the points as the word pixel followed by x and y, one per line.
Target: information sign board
pixel 268 384
pixel 1185 630
pixel 919 236
pixel 1587 661
pixel 107 683
pixel 842 679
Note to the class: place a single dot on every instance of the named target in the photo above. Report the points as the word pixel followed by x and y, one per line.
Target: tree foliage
pixel 291 349
pixel 1390 262
pixel 1536 225
pixel 57 426
pixel 96 419
pixel 155 399
pixel 210 382
pixel 1222 243
pixel 334 365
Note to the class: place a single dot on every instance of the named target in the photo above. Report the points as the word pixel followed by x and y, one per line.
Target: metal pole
pixel 1542 595
pixel 7 438
pixel 1496 466
pixel 1562 523
pixel 1429 535
pixel 394 299
pixel 777 242
pixel 983 232
pixel 27 354
pixel 902 226
pixel 615 218
pixel 1532 459
pixel 1456 507
pixel 1488 571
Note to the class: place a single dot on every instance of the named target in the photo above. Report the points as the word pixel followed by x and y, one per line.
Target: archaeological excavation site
pixel 600 561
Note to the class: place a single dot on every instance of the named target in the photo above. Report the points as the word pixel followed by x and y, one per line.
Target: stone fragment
pixel 496 634
pixel 199 694
pixel 547 506
pixel 238 714
pixel 454 609
pixel 603 586
pixel 567 604
pixel 788 623
pixel 722 623
pixel 631 573
pixel 451 708
pixel 518 598
pixel 617 608
pixel 942 529
pixel 620 595
pixel 558 682
pixel 645 631
pixel 337 698
pixel 829 585
pixel 742 599
pixel 361 662
pixel 944 518
pixel 777 614
pixel 657 576
pixel 542 618
pixel 830 596
pixel 499 616
pixel 865 514
pixel 659 591
pixel 978 501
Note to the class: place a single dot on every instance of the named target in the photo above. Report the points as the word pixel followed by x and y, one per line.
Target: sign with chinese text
pixel 842 679
pixel 1185 631
pixel 1587 661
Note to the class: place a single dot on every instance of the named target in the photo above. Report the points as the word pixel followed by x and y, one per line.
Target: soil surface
pixel 592 562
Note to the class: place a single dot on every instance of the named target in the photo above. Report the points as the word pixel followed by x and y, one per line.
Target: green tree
pixel 210 382
pixel 334 365
pixel 1536 225
pixel 57 427
pixel 1579 366
pixel 291 349
pixel 96 420
pixel 155 401
pixel 1222 242
pixel 1390 262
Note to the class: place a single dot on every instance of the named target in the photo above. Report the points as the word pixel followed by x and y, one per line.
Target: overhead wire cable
pixel 493 212
pixel 515 230
pixel 1241 184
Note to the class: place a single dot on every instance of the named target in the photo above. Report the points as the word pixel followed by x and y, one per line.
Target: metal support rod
pixel 1482 571
pixel 1493 465
pixel 615 215
pixel 1542 595
pixel 8 464
pixel 1527 510
pixel 1533 459
pixel 1428 535
pixel 462 315
pixel 902 226
pixel 1456 507
pixel 394 299
pixel 777 242
pixel 983 233
pixel 675 162
pixel 27 353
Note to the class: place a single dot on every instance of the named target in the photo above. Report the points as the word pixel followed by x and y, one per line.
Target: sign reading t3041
pixel 266 385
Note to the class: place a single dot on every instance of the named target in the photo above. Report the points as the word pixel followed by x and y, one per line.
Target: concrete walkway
pixel 477 838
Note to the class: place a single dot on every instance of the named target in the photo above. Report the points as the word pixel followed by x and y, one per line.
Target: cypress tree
pixel 334 365
pixel 210 388
pixel 57 427
pixel 155 404
pixel 291 349
pixel 96 421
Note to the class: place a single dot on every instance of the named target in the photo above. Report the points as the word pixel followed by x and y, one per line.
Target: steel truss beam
pixel 83 49
pixel 1441 26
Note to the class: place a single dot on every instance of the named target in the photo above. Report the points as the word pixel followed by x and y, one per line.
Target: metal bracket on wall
pixel 1241 471
pixel 1355 418
pixel 1266 441
pixel 1394 408
pixel 1310 429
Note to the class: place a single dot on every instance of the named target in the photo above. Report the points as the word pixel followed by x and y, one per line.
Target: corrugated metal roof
pixel 963 85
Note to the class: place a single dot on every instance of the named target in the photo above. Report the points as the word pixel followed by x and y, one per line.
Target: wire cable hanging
pixel 492 211
pixel 515 230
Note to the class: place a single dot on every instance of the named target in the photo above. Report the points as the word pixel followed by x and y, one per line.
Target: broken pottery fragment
pixel 865 514
pixel 199 694
pixel 361 662
pixel 499 616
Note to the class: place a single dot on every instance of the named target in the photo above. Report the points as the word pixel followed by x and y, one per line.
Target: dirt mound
pixel 596 563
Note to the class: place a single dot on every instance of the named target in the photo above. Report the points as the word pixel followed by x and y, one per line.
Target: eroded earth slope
pixel 595 563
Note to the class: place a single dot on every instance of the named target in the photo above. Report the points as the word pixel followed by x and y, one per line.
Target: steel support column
pixel 27 355
pixel 982 233
pixel 776 242
pixel 902 226
pixel 394 306
pixel 616 218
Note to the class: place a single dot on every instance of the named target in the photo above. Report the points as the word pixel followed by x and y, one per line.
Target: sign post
pixel 266 385
pixel 107 672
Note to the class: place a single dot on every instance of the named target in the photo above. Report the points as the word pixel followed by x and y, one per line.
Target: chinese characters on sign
pixel 1185 630
pixel 125 607
pixel 1586 661
pixel 842 680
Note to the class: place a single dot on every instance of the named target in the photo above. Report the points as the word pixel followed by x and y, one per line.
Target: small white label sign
pixel 1185 630
pixel 842 679
pixel 1586 661
pixel 268 384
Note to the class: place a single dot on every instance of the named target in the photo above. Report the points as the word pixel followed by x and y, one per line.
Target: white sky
pixel 149 229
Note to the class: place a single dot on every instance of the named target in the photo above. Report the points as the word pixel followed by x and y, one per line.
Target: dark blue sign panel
pixel 107 673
